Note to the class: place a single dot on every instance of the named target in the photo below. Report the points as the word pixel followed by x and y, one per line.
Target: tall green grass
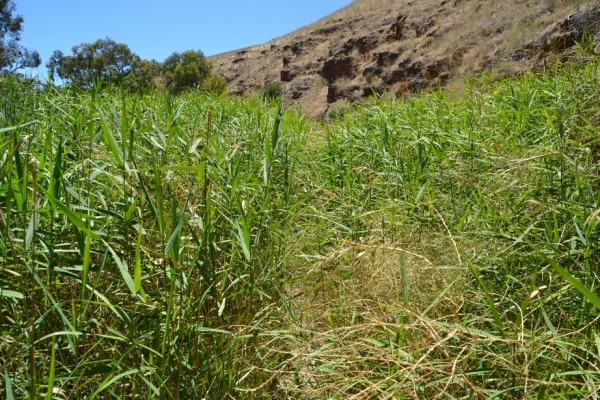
pixel 212 247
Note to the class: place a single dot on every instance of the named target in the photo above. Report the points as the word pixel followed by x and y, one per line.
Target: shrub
pixel 186 70
pixel 272 91
pixel 337 110
pixel 215 83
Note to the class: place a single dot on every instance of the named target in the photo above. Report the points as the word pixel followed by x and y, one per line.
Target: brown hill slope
pixel 406 45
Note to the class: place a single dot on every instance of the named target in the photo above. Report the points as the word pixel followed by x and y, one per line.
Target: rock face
pixel 400 46
pixel 564 34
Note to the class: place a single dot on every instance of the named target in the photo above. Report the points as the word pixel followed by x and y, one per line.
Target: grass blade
pixel 587 293
pixel 112 143
pixel 86 265
pixel 8 387
pixel 176 230
pixel 153 210
pixel 137 274
pixel 490 299
pixel 123 268
pixel 50 392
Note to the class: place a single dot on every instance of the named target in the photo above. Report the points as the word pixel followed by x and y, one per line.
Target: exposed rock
pixel 297 49
pixel 328 29
pixel 404 46
pixel 373 70
pixel 423 26
pixel 366 44
pixel 370 91
pixel 563 34
pixel 337 92
pixel 288 75
pixel 301 86
pixel 386 58
pixel 337 68
pixel 417 74
pixel 346 48
pixel 397 28
pixel 437 68
pixel 333 93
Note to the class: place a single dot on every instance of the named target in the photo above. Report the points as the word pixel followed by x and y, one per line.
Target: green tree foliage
pixel 144 74
pixel 115 63
pixel 13 56
pixel 215 83
pixel 104 59
pixel 186 70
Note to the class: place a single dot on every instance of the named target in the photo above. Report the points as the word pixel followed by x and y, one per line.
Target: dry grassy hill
pixel 407 45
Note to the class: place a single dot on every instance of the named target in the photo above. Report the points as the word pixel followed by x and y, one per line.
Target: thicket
pixel 272 91
pixel 212 247
pixel 108 62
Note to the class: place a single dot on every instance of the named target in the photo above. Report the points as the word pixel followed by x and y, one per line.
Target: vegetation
pixel 272 91
pixel 338 109
pixel 186 70
pixel 104 60
pixel 115 64
pixel 211 247
pixel 13 56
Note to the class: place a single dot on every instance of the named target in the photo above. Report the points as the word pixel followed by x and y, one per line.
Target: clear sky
pixel 154 29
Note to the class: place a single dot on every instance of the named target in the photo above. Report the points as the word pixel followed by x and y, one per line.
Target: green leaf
pixel 489 297
pixel 587 293
pixel 150 202
pixel 115 309
pixel 137 272
pixel 11 128
pixel 112 143
pixel 131 210
pixel 123 268
pixel 182 168
pixel 376 342
pixel 176 230
pixel 8 386
pixel 57 172
pixel 244 236
pixel 50 391
pixel 11 293
pixel 106 383
pixel 74 218
pixel 55 334
pixel 86 264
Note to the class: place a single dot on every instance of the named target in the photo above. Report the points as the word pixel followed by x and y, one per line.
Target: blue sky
pixel 155 28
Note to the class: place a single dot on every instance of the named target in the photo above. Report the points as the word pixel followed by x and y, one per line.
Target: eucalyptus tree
pixel 13 55
pixel 104 60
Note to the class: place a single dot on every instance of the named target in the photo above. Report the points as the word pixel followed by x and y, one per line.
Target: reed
pixel 216 247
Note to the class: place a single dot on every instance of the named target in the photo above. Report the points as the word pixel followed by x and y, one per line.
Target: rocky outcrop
pixel 397 28
pixel 338 68
pixel 563 34
pixel 401 46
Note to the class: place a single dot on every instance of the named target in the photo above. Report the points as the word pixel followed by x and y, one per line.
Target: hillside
pixel 403 46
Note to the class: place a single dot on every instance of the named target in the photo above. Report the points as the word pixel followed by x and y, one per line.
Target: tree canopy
pixel 186 70
pixel 113 62
pixel 14 56
pixel 104 59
